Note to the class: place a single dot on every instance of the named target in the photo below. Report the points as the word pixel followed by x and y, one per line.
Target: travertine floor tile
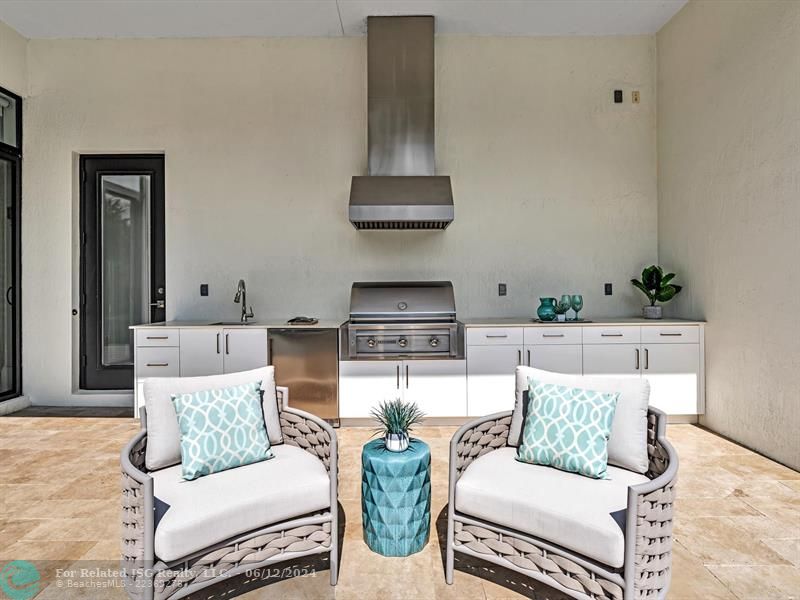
pixel 760 583
pixel 737 523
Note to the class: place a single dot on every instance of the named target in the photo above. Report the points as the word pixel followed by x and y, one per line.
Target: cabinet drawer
pixel 553 335
pixel 671 334
pixel 157 362
pixel 157 337
pixel 612 335
pixel 494 336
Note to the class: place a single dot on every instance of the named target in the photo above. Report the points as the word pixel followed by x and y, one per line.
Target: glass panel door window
pixel 125 252
pixel 10 120
pixel 9 315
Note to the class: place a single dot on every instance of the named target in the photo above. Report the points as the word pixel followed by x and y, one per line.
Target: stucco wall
pixel 13 67
pixel 729 207
pixel 555 186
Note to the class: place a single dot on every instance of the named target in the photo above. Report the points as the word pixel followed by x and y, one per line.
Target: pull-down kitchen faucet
pixel 241 294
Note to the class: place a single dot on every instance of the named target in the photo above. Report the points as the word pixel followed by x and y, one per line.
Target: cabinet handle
pixel 406 376
pixel 611 335
pixel 505 335
pixel 646 359
pixel 637 359
pixel 529 358
pixel 157 337
pixel 553 335
pixel 662 334
pixel 519 357
pixel 398 377
pixel 157 364
pixel 227 343
pixel 217 343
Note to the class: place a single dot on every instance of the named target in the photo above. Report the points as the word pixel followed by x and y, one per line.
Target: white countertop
pixel 256 324
pixel 600 321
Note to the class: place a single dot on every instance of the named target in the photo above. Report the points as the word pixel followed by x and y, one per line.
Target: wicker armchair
pixel 648 526
pixel 148 578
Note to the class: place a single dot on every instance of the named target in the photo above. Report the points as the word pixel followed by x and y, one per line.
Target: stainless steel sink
pixel 224 323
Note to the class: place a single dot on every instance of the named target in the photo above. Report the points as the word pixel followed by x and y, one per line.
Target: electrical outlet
pixel 617 96
pixel 502 290
pixel 608 289
pixel 204 289
pixel 635 96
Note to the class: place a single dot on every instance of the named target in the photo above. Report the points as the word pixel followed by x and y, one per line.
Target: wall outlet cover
pixel 204 289
pixel 502 290
pixel 608 289
pixel 617 96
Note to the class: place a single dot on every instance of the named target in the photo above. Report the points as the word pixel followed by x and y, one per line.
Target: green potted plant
pixel 395 419
pixel 655 284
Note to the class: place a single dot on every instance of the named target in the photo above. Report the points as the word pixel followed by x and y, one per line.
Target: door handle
pixel 519 357
pixel 157 337
pixel 662 334
pixel 227 343
pixel 158 304
pixel 217 343
pixel 637 359
pixel 406 376
pixel 398 377
pixel 552 335
pixel 157 364
pixel 646 359
pixel 529 358
pixel 610 335
pixel 505 335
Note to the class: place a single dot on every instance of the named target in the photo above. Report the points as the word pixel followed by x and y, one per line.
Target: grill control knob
pixel 402 342
pixel 371 343
pixel 434 341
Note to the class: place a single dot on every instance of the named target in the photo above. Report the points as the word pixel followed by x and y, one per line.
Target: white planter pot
pixel 396 442
pixel 561 317
pixel 652 312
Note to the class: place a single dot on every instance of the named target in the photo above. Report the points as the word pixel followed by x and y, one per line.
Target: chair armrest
pixel 312 434
pixel 648 535
pixel 137 515
pixel 477 438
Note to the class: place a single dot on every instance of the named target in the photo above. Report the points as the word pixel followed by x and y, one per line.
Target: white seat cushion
pixel 581 514
pixel 211 509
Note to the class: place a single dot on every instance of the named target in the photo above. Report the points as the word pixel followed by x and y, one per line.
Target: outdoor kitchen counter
pixel 255 324
pixel 531 322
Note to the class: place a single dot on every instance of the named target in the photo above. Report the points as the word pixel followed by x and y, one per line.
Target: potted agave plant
pixel 395 419
pixel 655 284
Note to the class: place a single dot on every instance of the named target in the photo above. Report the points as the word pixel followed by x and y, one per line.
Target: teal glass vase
pixel 547 309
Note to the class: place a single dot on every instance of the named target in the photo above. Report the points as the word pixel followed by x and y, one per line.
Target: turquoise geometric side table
pixel 396 497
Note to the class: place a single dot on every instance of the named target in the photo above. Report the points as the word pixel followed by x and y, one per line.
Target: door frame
pixel 114 375
pixel 14 155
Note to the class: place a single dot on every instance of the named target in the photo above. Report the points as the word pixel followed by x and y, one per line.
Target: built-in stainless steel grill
pixel 402 319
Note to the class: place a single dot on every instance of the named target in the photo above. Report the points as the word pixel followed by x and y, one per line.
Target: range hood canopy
pixel 401 190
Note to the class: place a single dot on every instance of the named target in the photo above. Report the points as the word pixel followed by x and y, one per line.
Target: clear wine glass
pixel 577 304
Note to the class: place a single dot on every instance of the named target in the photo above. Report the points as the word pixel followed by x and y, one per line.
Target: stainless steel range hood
pixel 401 190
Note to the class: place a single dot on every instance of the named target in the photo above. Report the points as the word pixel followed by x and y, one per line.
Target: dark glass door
pixel 10 375
pixel 122 262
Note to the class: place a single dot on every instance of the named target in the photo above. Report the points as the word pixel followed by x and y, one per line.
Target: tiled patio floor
pixel 737 529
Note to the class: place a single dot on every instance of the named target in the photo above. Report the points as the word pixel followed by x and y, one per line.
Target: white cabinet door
pixel 612 359
pixel 201 352
pixel 244 349
pixel 491 378
pixel 365 383
pixel 439 387
pixel 558 359
pixel 674 372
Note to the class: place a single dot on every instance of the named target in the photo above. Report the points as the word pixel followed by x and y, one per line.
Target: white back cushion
pixel 627 444
pixel 163 433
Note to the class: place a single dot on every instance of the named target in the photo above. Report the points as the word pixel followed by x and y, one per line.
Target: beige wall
pixel 555 186
pixel 729 207
pixel 13 67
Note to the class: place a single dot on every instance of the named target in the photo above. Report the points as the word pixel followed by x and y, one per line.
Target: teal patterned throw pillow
pixel 567 428
pixel 221 429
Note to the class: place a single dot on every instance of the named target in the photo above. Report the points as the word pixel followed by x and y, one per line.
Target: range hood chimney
pixel 401 190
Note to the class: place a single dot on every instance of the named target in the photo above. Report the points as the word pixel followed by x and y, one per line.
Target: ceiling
pixel 266 18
